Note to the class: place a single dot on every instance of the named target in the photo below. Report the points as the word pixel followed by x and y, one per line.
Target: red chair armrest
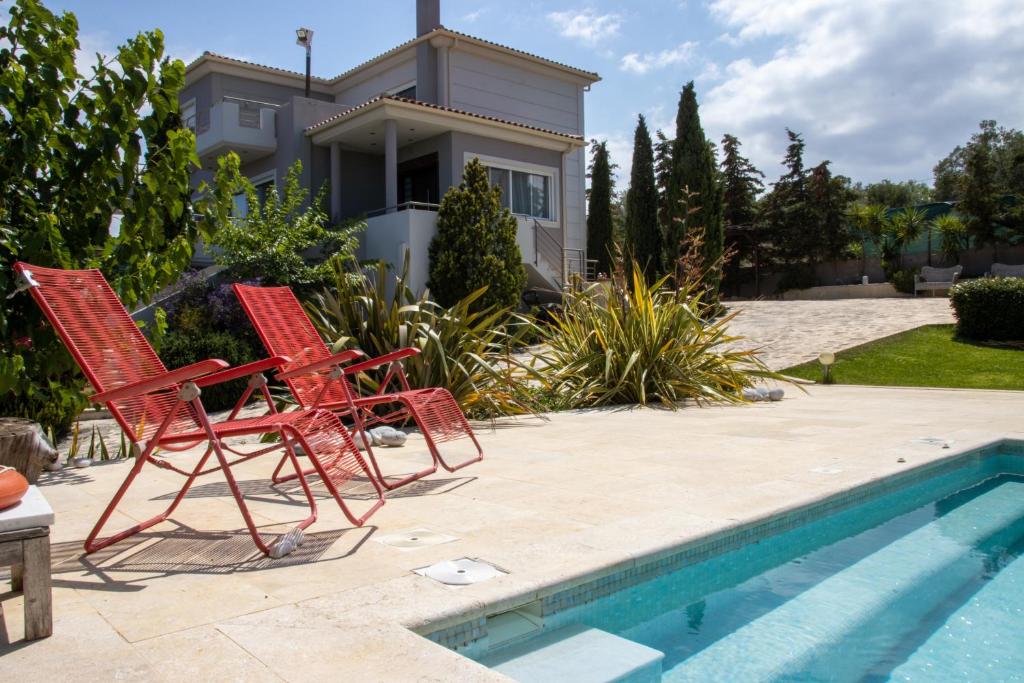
pixel 318 365
pixel 243 370
pixel 381 360
pixel 151 384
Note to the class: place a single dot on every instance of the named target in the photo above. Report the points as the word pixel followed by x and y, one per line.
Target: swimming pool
pixel 916 578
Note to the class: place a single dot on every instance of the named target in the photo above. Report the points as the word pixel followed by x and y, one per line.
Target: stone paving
pixel 553 503
pixel 794 332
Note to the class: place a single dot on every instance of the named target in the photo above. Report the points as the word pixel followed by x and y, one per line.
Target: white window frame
pixel 511 165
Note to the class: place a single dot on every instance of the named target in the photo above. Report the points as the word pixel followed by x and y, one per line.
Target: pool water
pixel 922 584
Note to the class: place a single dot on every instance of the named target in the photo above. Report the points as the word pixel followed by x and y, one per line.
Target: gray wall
pixel 512 92
pixel 292 144
pixel 359 92
pixel 524 95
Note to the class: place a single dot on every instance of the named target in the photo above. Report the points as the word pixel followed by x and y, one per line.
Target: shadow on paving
pixel 290 492
pixel 189 551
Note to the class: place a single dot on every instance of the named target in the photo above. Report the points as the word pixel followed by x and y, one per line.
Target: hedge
pixel 989 309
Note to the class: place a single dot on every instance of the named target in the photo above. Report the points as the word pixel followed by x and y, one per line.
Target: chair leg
pixel 92 544
pixel 454 413
pixel 328 481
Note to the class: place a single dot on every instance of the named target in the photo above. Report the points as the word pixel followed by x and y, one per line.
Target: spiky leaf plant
pixel 470 352
pixel 644 344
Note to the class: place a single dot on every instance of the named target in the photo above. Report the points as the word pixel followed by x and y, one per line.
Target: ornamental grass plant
pixel 470 352
pixel 644 343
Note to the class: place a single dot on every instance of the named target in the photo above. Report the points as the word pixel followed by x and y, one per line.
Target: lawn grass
pixel 927 356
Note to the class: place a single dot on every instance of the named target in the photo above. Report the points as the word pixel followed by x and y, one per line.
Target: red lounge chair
pixel 161 409
pixel 282 324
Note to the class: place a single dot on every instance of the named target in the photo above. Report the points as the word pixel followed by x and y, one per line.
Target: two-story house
pixel 391 135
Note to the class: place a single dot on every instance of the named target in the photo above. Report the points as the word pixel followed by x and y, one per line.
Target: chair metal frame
pixel 319 379
pixel 142 387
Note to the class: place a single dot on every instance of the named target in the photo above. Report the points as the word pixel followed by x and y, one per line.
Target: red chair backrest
pixel 286 330
pixel 107 345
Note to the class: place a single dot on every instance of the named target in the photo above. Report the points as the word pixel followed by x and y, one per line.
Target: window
pixel 263 184
pixel 528 194
pixel 188 115
pixel 406 90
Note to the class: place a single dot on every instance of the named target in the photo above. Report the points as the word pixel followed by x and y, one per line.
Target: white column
pixel 390 165
pixel 336 182
pixel 442 45
pixel 442 76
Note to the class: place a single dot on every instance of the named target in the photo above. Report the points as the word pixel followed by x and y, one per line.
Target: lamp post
pixel 827 358
pixel 304 37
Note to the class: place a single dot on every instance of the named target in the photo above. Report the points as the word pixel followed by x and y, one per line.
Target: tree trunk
pixel 23 447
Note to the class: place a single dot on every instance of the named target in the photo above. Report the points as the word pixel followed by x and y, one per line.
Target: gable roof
pixel 213 57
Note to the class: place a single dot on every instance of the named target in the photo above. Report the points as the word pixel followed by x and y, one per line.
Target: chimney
pixel 428 16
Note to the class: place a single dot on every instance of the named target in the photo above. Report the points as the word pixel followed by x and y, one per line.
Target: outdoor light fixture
pixel 304 38
pixel 827 359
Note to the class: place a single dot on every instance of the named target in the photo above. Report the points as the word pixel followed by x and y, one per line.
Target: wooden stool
pixel 25 548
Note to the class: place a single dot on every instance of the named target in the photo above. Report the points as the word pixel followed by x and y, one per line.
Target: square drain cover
pixel 414 538
pixel 461 572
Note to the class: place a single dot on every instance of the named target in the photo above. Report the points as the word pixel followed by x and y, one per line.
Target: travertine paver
pixel 794 332
pixel 552 502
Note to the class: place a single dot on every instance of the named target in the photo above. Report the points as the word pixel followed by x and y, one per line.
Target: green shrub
pixel 465 350
pixel 989 309
pixel 903 279
pixel 184 348
pixel 645 345
pixel 475 246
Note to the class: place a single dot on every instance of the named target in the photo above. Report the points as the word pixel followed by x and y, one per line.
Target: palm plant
pixel 644 344
pixel 467 351
pixel 953 237
pixel 907 226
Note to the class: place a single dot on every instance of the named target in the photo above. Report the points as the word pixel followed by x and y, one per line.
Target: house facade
pixel 390 136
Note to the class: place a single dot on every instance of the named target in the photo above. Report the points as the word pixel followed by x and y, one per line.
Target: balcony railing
pixel 405 206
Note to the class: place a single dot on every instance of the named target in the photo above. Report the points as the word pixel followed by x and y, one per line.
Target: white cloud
pixel 641 64
pixel 471 17
pixel 587 26
pixel 883 89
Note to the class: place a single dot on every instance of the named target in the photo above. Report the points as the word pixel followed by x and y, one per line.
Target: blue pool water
pixel 925 583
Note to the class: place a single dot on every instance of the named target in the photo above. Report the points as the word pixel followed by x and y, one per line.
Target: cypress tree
pixel 599 209
pixel 741 183
pixel 643 235
pixel 694 195
pixel 663 178
pixel 475 245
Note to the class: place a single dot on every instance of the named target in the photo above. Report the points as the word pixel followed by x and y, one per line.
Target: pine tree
pixel 828 198
pixel 475 245
pixel 663 177
pixel 694 173
pixel 786 218
pixel 643 235
pixel 599 209
pixel 741 183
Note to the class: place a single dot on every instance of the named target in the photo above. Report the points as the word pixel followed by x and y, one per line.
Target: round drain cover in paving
pixel 460 572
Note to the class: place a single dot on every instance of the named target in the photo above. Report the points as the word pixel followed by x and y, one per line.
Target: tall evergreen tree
pixel 785 215
pixel 694 195
pixel 643 235
pixel 829 197
pixel 663 177
pixel 741 184
pixel 475 245
pixel 599 209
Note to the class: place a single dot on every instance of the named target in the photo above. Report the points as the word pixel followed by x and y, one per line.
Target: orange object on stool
pixel 12 487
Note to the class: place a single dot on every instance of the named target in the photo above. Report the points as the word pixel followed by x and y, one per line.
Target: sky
pixel 881 88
